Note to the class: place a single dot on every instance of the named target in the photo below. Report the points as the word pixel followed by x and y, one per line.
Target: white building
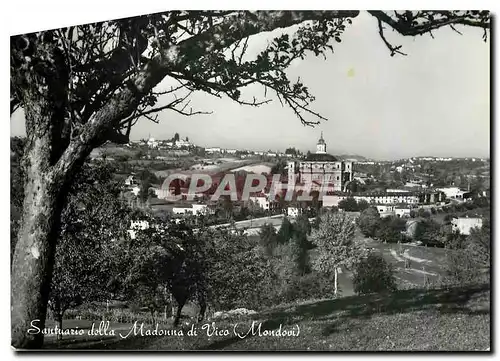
pixel 402 212
pixel 385 210
pixel 135 190
pixel 182 143
pixel 152 143
pixel 137 226
pixel 213 150
pixel 292 212
pixel 262 201
pixel 394 198
pixel 195 209
pixel 464 225
pixel 162 193
pixel 453 192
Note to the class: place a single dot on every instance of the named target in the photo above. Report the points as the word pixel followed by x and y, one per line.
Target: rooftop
pixel 321 157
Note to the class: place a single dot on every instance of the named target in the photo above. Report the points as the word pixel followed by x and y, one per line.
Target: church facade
pixel 321 169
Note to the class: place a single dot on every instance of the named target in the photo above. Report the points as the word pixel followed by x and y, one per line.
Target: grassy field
pixel 409 320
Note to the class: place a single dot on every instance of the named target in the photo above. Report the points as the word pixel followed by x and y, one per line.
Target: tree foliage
pixel 94 222
pixel 349 204
pixel 268 239
pixel 390 229
pixel 238 274
pixel 468 259
pixel 429 233
pixel 334 241
pixel 373 274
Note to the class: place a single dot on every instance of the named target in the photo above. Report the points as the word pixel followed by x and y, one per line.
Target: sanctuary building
pixel 321 168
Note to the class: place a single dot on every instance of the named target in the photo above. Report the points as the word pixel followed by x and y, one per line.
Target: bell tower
pixel 321 146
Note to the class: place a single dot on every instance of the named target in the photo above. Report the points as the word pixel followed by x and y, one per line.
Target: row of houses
pixel 218 150
pixel 392 196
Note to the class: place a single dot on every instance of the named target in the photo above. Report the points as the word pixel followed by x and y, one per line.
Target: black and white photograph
pixel 252 180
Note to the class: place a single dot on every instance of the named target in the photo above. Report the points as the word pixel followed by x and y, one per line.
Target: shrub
pixel 426 214
pixel 373 275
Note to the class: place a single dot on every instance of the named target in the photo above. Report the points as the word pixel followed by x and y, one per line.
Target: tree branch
pixel 393 49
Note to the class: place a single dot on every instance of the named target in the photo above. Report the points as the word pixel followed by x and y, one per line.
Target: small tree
pixel 390 229
pixel 368 221
pixel 238 274
pixel 468 257
pixel 479 245
pixel 300 256
pixel 144 192
pixel 286 231
pixel 268 238
pixel 334 243
pixel 302 225
pixel 349 204
pixel 428 232
pixel 373 274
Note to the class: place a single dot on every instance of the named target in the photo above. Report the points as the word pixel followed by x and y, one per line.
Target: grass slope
pixel 410 320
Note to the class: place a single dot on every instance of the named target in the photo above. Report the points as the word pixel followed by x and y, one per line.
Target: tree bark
pixel 34 257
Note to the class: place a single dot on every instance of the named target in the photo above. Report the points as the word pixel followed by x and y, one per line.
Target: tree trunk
pixel 335 289
pixel 34 258
pixel 59 318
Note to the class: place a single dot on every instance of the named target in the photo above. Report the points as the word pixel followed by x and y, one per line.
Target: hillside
pixel 407 320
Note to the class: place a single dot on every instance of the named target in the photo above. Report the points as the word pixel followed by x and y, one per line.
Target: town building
pixel 454 193
pixel 182 143
pixel 397 191
pixel 194 209
pixel 293 212
pixel 213 150
pixel 321 168
pixel 402 212
pixel 152 143
pixel 464 224
pixel 392 198
pixel 262 201
pixel 385 210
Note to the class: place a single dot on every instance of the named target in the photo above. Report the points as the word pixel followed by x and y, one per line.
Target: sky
pixel 434 101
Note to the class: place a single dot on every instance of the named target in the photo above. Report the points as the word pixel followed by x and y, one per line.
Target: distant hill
pixel 354 157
